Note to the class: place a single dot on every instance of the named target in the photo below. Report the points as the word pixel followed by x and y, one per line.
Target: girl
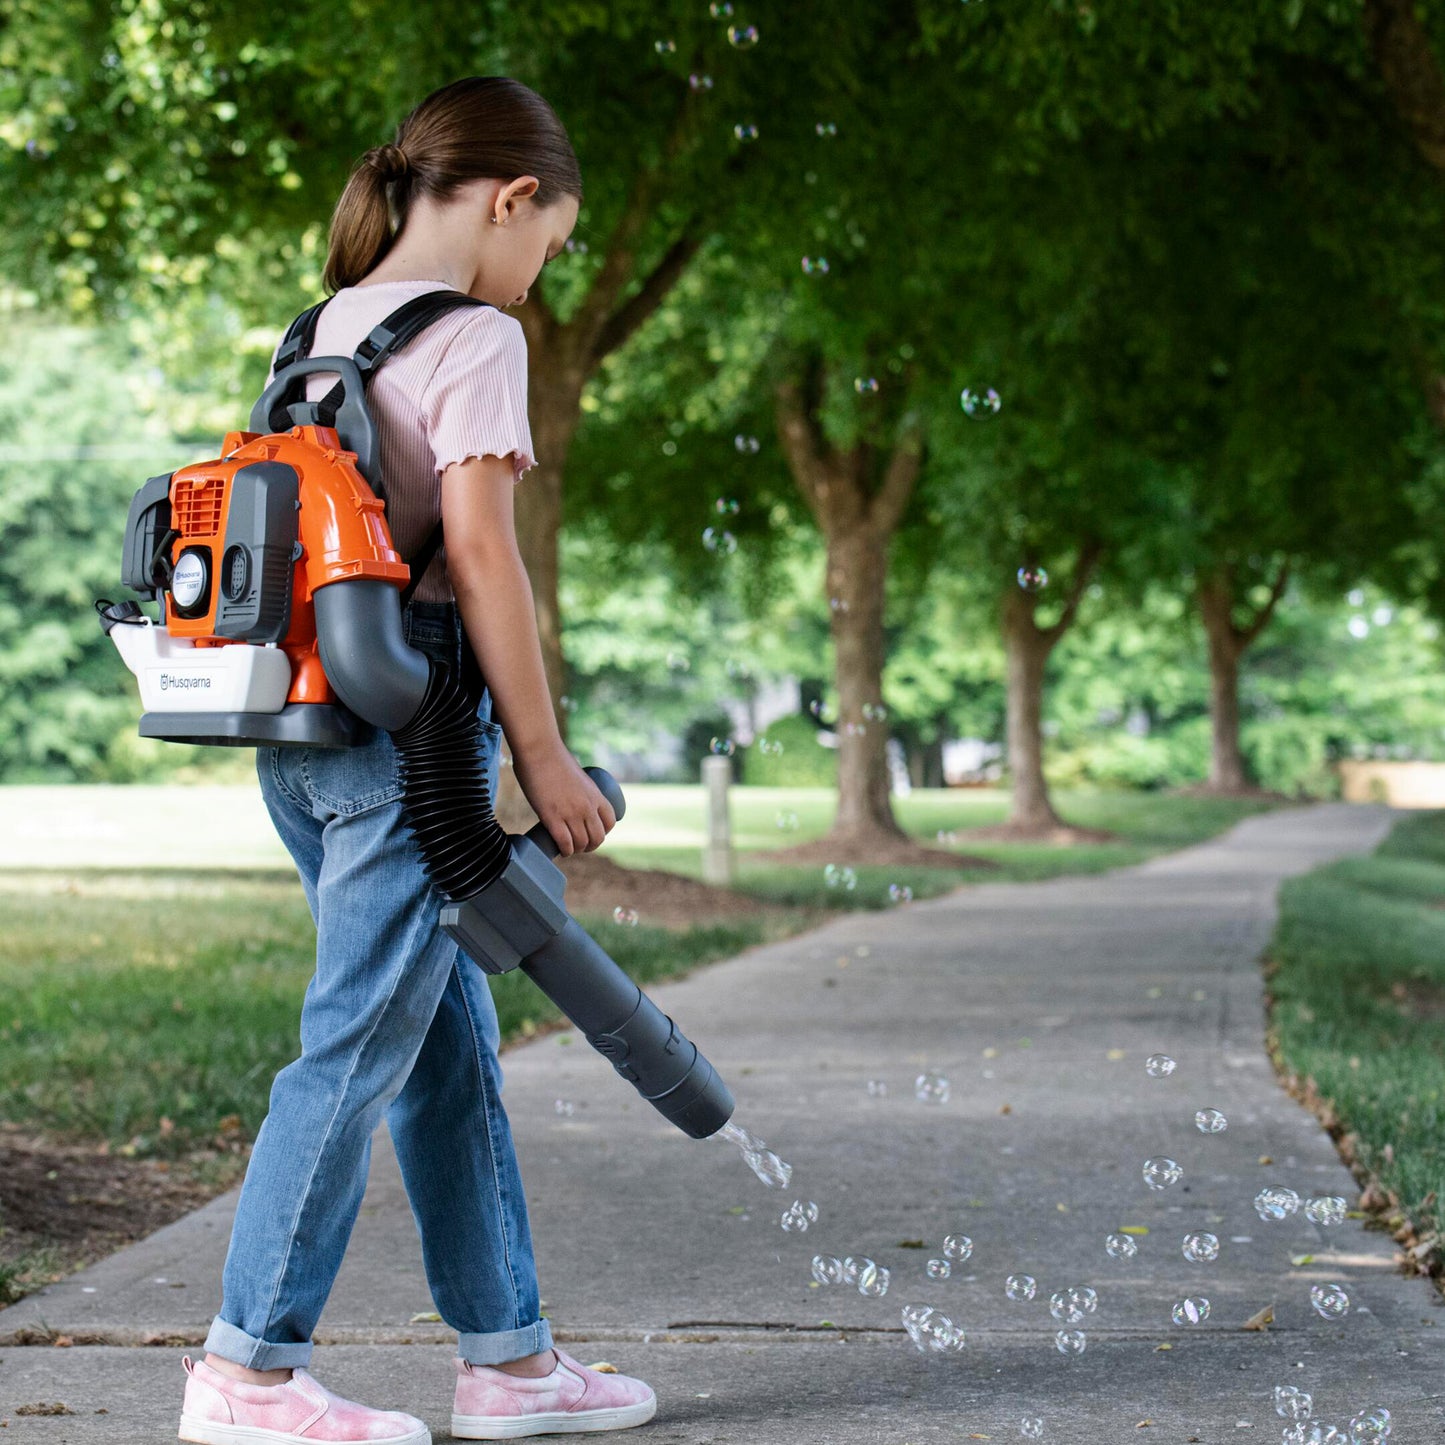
pixel 480 189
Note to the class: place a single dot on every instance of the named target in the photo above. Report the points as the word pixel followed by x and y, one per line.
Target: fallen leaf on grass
pixel 426 1317
pixel 1157 1348
pixel 1133 1229
pixel 1299 1260
pixel 41 1408
pixel 911 1244
pixel 1261 1320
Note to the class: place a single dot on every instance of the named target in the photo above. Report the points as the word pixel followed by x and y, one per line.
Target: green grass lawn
pixel 1358 989
pixel 152 1009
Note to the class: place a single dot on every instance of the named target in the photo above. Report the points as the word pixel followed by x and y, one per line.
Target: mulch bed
pixel 81 1202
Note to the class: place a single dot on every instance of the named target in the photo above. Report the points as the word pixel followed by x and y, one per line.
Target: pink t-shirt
pixel 457 390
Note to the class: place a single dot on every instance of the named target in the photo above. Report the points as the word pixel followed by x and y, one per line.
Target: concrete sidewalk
pixel 664 1255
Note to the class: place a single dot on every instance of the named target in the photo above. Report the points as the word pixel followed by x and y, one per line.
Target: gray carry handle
pixel 607 785
pixel 353 422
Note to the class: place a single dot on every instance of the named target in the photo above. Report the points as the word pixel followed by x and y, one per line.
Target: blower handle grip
pixel 354 425
pixel 610 789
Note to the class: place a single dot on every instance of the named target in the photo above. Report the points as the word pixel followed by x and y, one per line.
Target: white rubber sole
pixel 553 1422
pixel 213 1432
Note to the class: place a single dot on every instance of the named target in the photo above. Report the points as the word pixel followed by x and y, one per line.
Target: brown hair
pixel 475 128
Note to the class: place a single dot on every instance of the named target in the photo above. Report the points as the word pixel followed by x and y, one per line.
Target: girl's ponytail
pixel 362 224
pixel 481 127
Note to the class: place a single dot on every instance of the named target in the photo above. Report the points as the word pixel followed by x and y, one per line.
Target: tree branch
pixel 1089 554
pixel 638 307
pixel 904 464
pixel 800 443
pixel 1244 636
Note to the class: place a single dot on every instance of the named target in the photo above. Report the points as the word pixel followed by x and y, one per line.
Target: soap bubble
pixel 1160 1173
pixel 1033 579
pixel 746 444
pixel 793 1220
pixel 947 1335
pixel 873 1280
pixel 1370 1427
pixel 836 877
pixel 742 37
pixel 815 265
pixel 1274 1203
pixel 1192 1311
pixel 665 47
pixel 720 9
pixel 826 128
pixel 900 893
pixel 827 1269
pixel 1326 1209
pixel 1065 1308
pixel 938 1269
pixel 564 1108
pixel 745 130
pixel 957 1247
pixel 877 1089
pixel 723 747
pixel 1084 1298
pixel 1159 1066
pixel 1210 1121
pixel 1325 1435
pixel 770 747
pixel 1031 1427
pixel 930 1330
pixel 865 385
pixel 627 917
pixel 981 403
pixel 787 822
pixel 1070 1342
pixel 1330 1301
pixel 852 1268
pixel 946 835
pixel 1292 1403
pixel 1201 1247
pixel 808 1208
pixel 700 82
pixel 1020 1287
pixel 876 711
pixel 722 542
pixel 677 662
pixel 1120 1246
pixel 726 506
pixel 931 1089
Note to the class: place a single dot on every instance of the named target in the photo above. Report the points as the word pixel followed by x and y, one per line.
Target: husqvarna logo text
pixel 183 680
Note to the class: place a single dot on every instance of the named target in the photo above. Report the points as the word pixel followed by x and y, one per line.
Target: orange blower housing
pixel 237 548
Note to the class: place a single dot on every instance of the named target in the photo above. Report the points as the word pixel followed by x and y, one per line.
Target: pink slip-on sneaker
pixel 300 1411
pixel 493 1405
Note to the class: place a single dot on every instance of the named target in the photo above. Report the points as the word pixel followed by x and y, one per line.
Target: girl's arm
pixel 494 595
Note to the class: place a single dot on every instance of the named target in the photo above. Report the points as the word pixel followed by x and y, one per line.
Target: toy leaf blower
pixel 281 625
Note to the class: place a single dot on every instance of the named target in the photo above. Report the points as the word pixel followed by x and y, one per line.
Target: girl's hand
pixel 568 802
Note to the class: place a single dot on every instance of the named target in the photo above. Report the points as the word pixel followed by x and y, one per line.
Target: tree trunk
pixel 857 513
pixel 857 570
pixel 1227 773
pixel 1027 648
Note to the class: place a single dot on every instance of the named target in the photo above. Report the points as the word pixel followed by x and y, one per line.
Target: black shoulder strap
pixel 384 339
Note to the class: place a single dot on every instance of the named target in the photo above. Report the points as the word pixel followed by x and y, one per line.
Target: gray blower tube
pixel 516 917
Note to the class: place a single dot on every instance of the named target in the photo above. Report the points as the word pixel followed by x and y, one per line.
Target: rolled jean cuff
pixel 507 1345
pixel 240 1348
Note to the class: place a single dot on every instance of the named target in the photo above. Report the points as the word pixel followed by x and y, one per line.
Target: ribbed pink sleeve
pixel 475 403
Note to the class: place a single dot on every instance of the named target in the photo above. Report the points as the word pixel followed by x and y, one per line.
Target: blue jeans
pixel 396 1021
